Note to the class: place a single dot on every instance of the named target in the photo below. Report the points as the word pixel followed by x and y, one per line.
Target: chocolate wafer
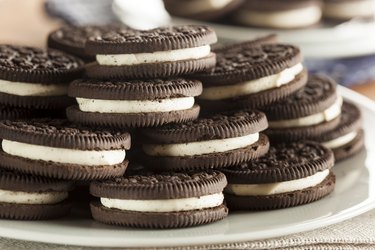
pixel 59 149
pixel 160 52
pixel 288 175
pixel 214 142
pixel 166 200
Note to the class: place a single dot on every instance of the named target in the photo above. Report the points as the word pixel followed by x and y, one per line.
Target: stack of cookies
pixel 137 83
pixel 34 84
pixel 192 113
pixel 317 112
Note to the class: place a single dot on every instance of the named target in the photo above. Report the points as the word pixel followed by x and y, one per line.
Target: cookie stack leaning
pixel 299 109
pixel 33 84
pixel 137 82
pixel 317 112
pixel 136 79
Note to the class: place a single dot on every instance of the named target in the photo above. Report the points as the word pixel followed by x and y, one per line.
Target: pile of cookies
pixel 241 126
pixel 277 14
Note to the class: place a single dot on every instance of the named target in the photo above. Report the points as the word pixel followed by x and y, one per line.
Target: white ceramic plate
pixel 354 195
pixel 353 38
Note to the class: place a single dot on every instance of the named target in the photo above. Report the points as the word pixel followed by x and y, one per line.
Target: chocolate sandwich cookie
pixel 288 175
pixel 160 52
pixel 201 9
pixel 27 197
pixel 342 10
pixel 134 103
pixel 305 115
pixel 286 14
pixel 347 138
pixel 71 39
pixel 36 78
pixel 168 200
pixel 59 149
pixel 251 77
pixel 215 142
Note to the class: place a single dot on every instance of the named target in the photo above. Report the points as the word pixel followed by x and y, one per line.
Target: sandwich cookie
pixel 201 9
pixel 36 78
pixel 305 115
pixel 288 175
pixel 72 39
pixel 342 10
pixel 59 149
pixel 347 139
pixel 168 200
pixel 286 14
pixel 215 142
pixel 160 52
pixel 27 197
pixel 134 103
pixel 251 77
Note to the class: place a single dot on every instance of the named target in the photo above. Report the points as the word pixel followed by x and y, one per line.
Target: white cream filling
pixel 200 147
pixel 200 6
pixel 281 19
pixel 18 197
pixel 253 86
pixel 158 56
pixel 347 10
pixel 340 141
pixel 32 89
pixel 277 188
pixel 134 106
pixel 167 205
pixel 63 155
pixel 327 115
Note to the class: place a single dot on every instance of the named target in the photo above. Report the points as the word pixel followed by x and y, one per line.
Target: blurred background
pixel 337 37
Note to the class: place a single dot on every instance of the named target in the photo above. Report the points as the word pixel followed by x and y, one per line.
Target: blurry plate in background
pixel 350 39
pixel 327 41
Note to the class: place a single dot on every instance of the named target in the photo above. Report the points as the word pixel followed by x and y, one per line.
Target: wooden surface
pixel 24 22
pixel 367 89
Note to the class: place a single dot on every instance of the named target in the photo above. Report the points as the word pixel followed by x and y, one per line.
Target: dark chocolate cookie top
pixel 283 162
pixel 16 181
pixel 350 121
pixel 72 39
pixel 62 134
pixel 34 65
pixel 135 89
pixel 249 63
pixel 144 41
pixel 318 94
pixel 161 186
pixel 219 126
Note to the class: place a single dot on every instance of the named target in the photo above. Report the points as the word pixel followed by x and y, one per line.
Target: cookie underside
pixel 157 220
